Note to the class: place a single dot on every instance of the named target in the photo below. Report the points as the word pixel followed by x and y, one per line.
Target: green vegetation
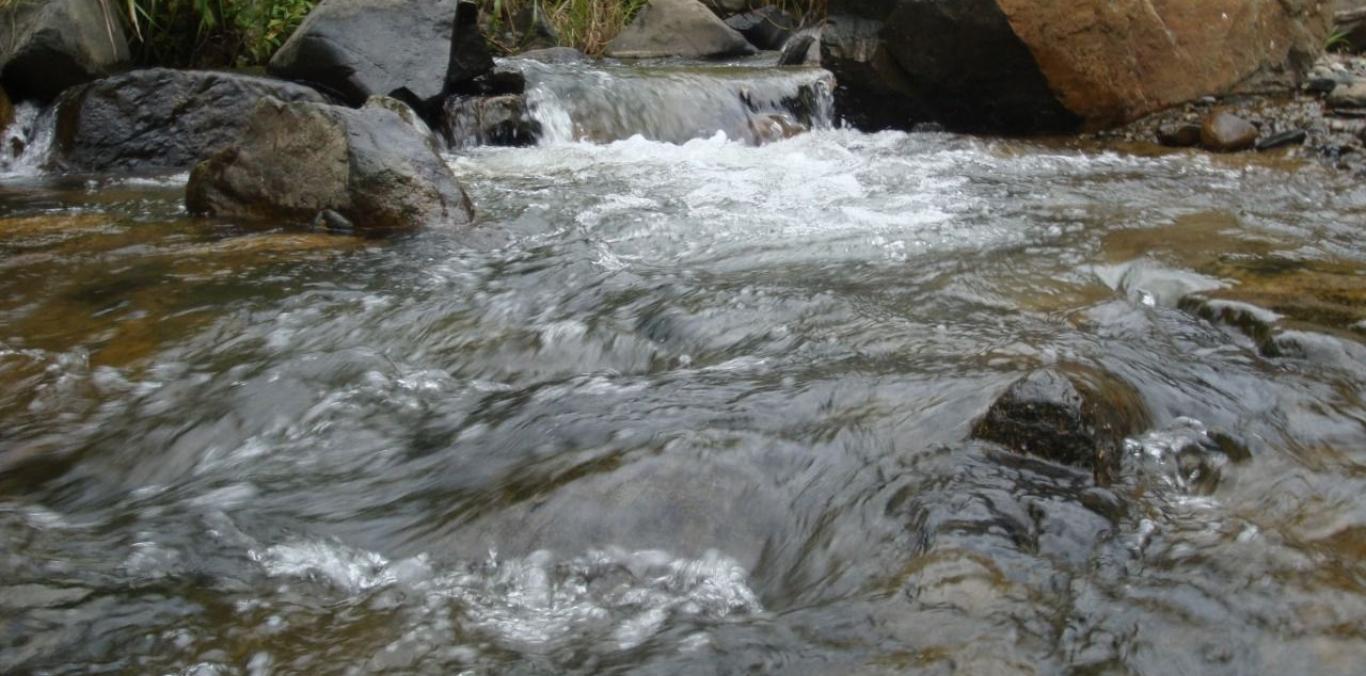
pixel 208 33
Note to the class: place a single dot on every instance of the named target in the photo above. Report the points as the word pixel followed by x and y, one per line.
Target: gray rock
pixel 297 161
pixel 1225 132
pixel 355 49
pixel 1071 414
pixel 802 49
pixel 48 46
pixel 683 28
pixel 766 27
pixel 159 119
pixel 1350 96
pixel 489 120
pixel 407 114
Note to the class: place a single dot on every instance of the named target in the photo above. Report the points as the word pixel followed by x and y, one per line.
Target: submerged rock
pixel 355 49
pixel 47 46
pixel 1071 415
pixel 1028 66
pixel 489 120
pixel 1225 132
pixel 297 161
pixel 159 119
pixel 684 28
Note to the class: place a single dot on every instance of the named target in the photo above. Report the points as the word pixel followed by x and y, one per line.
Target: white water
pixel 27 142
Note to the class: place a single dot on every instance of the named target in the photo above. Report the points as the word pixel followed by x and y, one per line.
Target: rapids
pixel 696 407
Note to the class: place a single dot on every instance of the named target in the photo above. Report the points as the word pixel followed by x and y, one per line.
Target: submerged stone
pixel 1071 415
pixel 297 160
pixel 489 120
pixel 684 28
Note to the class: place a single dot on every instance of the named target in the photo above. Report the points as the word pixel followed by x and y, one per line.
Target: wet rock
pixel 803 49
pixel 1293 137
pixel 159 119
pixel 1179 135
pixel 775 127
pixel 872 91
pixel 1348 96
pixel 683 28
pixel 407 114
pixel 355 49
pixel 1071 415
pixel 48 46
pixel 6 111
pixel 297 160
pixel 489 120
pixel 554 55
pixel 1317 347
pixel 728 8
pixel 1225 132
pixel 469 54
pixel 766 27
pixel 1252 321
pixel 1026 66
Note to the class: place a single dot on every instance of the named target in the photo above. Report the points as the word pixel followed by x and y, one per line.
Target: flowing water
pixel 685 408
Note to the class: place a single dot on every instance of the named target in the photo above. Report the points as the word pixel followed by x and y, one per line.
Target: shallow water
pixel 697 408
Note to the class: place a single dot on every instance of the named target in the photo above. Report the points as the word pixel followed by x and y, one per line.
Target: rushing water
pixel 697 408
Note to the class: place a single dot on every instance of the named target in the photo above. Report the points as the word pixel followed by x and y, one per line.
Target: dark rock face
pixel 354 49
pixel 766 27
pixel 489 120
pixel 47 47
pixel 1071 415
pixel 469 55
pixel 1225 132
pixel 368 168
pixel 872 91
pixel 6 111
pixel 684 28
pixel 160 120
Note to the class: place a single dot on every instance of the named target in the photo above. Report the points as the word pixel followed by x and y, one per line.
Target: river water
pixel 697 407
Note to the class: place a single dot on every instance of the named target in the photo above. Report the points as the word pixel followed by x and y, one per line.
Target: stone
pixel 159 119
pixel 469 54
pixel 48 46
pixel 1350 96
pixel 6 112
pixel 1294 137
pixel 298 161
pixel 681 28
pixel 355 49
pixel 1060 65
pixel 407 114
pixel 554 55
pixel 1179 135
pixel 802 49
pixel 1225 132
pixel 727 8
pixel 1069 414
pixel 872 91
pixel 489 120
pixel 766 28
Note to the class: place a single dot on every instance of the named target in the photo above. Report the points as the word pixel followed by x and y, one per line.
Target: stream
pixel 680 403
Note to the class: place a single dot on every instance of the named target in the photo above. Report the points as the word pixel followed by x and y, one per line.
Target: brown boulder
pixel 1225 132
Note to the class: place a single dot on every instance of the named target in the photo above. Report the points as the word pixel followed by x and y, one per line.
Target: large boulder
pixel 1056 65
pixel 159 119
pixel 355 49
pixel 47 46
pixel 369 168
pixel 683 28
pixel 1071 414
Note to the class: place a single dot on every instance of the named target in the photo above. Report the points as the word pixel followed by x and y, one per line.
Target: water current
pixel 695 407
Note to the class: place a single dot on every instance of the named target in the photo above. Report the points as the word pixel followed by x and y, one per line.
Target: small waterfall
pixel 27 142
pixel 582 102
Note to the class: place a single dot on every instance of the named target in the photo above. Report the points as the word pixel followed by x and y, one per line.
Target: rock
pixel 489 120
pixel 1056 65
pixel 1225 132
pixel 355 49
pixel 766 27
pixel 727 8
pixel 6 112
pixel 1350 96
pixel 872 92
pixel 407 114
pixel 774 127
pixel 1179 135
pixel 469 54
pixel 159 119
pixel 554 55
pixel 1293 137
pixel 296 161
pixel 802 49
pixel 1071 414
pixel 47 46
pixel 683 28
